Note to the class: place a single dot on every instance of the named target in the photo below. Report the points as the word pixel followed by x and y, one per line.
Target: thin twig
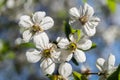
pixel 93 73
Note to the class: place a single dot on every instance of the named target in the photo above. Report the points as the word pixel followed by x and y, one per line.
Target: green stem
pixel 93 73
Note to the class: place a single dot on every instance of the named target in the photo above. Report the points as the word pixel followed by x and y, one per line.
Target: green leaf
pixel 2 2
pixel 118 1
pixel 78 76
pixel 67 29
pixel 10 55
pixel 62 14
pixel 73 30
pixel 93 46
pixel 84 1
pixel 4 46
pixel 115 75
pixel 111 5
pixel 78 35
pixel 1 58
pixel 27 45
pixel 74 61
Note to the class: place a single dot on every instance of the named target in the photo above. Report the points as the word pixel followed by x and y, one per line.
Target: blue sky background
pixel 17 67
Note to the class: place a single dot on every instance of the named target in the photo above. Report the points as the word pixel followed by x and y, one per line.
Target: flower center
pixel 59 77
pixel 36 28
pixel 72 46
pixel 106 74
pixel 83 20
pixel 46 53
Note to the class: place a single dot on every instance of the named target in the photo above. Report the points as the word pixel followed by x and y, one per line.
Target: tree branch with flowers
pixel 55 56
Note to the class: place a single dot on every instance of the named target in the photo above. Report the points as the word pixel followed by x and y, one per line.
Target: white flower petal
pixel 100 63
pixel 75 24
pixel 47 66
pixel 33 55
pixel 62 42
pixel 65 55
pixel 55 54
pixel 10 4
pixel 27 35
pixel 88 30
pixel 110 71
pixel 69 57
pixel 47 23
pixel 41 40
pixel 111 61
pixel 74 13
pixel 25 21
pixel 81 11
pixel 38 16
pixel 93 22
pixel 18 41
pixel 88 10
pixel 105 66
pixel 72 37
pixel 50 45
pixel 85 45
pixel 65 69
pixel 79 56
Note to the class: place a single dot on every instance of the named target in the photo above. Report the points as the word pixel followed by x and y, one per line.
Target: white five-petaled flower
pixel 65 70
pixel 106 67
pixel 34 24
pixel 46 53
pixel 83 17
pixel 72 48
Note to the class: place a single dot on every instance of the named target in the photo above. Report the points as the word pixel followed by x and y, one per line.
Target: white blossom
pixel 106 67
pixel 10 3
pixel 65 70
pixel 73 48
pixel 83 17
pixel 46 53
pixel 111 31
pixel 19 41
pixel 38 22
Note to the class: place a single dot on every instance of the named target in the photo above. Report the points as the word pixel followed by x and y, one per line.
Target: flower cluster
pixel 106 67
pixel 72 46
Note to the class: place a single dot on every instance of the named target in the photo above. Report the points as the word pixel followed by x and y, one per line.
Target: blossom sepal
pixel 69 30
pixel 78 76
pixel 74 61
pixel 115 74
pixel 55 77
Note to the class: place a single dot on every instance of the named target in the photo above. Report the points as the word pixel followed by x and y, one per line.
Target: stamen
pixel 46 53
pixel 36 28
pixel 83 20
pixel 72 46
